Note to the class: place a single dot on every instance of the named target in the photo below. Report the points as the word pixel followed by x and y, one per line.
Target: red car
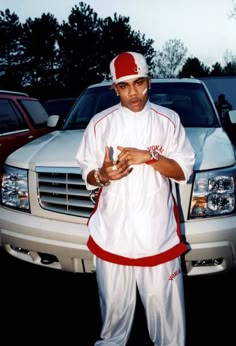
pixel 22 119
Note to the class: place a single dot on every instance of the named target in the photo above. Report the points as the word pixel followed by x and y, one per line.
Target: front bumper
pixel 212 245
pixel 46 242
pixel 62 245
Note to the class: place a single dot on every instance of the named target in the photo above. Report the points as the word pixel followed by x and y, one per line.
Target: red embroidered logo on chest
pixel 174 274
pixel 156 147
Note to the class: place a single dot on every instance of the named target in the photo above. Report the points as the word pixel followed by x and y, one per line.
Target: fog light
pixel 20 249
pixel 207 262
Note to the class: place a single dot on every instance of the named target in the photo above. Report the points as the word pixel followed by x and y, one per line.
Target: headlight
pixel 213 193
pixel 14 189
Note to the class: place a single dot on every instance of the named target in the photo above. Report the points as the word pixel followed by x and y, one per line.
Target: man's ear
pixel 117 94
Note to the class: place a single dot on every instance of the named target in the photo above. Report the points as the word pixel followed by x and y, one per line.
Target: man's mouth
pixel 135 101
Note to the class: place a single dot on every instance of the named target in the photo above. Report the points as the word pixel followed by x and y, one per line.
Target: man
pixel 131 152
pixel 223 108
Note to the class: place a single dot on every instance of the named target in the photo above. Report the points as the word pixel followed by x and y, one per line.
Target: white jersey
pixel 135 220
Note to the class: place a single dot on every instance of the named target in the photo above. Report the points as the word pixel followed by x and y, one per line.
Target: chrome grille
pixel 63 191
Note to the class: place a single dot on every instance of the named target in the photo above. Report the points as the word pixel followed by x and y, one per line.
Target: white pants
pixel 161 291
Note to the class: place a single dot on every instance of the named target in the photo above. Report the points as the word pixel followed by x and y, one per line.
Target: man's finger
pixel 107 155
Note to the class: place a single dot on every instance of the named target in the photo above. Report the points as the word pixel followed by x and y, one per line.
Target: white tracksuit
pixel 135 221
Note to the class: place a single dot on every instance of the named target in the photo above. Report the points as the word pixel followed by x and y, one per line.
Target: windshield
pixel 189 100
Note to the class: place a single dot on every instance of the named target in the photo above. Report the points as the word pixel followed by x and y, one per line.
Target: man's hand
pixel 113 170
pixel 134 156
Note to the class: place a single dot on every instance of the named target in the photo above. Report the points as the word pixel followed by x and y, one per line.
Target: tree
pixel 233 11
pixel 40 53
pixel 170 59
pixel 229 57
pixel 216 70
pixel 79 43
pixel 88 44
pixel 230 69
pixel 11 50
pixel 194 68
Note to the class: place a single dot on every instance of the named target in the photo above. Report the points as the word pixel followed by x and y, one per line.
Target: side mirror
pixel 232 116
pixel 53 120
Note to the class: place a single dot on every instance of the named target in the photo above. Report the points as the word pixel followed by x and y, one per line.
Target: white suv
pixel 45 205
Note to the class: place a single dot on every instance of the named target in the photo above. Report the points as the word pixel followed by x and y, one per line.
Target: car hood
pixel 57 148
pixel 212 147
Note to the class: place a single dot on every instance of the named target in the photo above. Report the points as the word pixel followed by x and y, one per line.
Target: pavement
pixel 50 306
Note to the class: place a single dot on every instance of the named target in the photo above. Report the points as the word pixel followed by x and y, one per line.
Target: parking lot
pixel 47 306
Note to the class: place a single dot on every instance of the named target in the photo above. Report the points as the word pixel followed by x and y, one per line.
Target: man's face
pixel 133 93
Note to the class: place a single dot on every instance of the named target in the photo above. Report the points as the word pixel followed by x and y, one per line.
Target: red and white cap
pixel 128 65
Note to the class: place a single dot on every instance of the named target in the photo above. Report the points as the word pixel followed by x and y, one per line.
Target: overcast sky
pixel 203 26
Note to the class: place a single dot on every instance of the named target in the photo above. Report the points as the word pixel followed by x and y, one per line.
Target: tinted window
pixel 10 118
pixel 189 100
pixel 36 112
pixel 59 107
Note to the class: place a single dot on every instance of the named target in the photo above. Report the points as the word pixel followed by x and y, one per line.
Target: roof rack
pixel 13 92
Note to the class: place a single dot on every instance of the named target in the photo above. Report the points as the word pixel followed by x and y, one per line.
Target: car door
pixel 14 131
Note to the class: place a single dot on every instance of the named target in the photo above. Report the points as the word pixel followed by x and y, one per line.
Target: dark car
pixel 22 119
pixel 59 107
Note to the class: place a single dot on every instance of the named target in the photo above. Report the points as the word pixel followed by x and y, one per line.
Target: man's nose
pixel 133 90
